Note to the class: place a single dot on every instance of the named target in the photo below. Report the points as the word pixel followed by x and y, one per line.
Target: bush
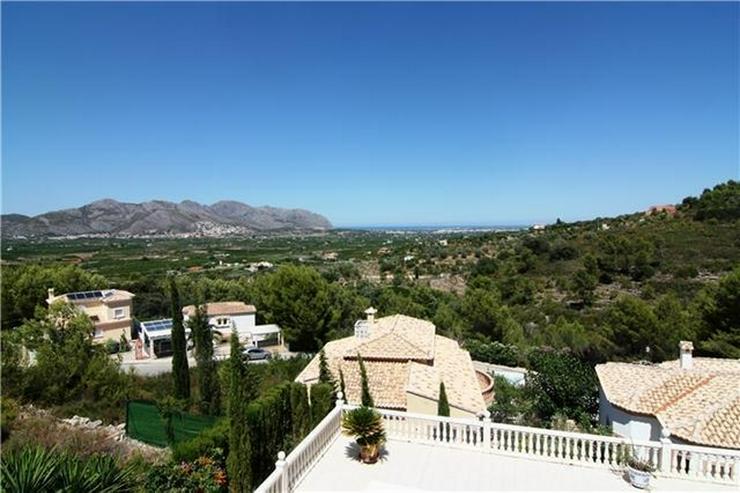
pixel 202 475
pixel 8 414
pixel 46 432
pixel 212 443
pixel 494 352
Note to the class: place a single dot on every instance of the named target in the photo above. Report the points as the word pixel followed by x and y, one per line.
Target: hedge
pixel 277 421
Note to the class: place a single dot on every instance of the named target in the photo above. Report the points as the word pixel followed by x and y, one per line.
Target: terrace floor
pixel 415 467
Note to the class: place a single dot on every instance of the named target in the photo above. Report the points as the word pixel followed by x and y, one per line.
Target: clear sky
pixel 374 113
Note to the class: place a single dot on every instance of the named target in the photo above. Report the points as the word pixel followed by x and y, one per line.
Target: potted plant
pixel 366 426
pixel 639 471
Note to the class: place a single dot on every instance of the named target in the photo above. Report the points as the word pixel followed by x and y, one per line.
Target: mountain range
pixel 159 217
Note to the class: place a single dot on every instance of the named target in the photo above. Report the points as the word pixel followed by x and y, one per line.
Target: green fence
pixel 144 423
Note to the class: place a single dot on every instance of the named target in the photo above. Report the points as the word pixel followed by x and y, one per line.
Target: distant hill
pixel 159 217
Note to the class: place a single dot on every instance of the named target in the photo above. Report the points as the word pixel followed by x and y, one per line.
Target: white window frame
pixel 119 313
pixel 98 333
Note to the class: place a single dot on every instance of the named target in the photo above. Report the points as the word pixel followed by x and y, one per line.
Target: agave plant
pixel 98 473
pixel 31 469
pixel 39 470
pixel 366 426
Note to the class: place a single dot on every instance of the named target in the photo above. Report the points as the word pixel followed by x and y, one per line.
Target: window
pixel 98 332
pixel 118 313
pixel 222 321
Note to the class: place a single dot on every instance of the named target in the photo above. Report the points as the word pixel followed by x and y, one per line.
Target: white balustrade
pixel 668 459
pixel 290 470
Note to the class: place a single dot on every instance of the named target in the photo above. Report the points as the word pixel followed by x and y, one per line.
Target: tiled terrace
pixel 416 467
pixel 426 452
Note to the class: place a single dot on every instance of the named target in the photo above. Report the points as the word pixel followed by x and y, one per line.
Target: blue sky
pixel 375 113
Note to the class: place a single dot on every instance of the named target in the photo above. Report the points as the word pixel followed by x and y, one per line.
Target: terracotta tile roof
pixel 391 353
pixel 456 370
pixel 386 379
pixel 398 337
pixel 700 405
pixel 222 308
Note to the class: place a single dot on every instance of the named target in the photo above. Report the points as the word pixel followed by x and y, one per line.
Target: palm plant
pixel 366 426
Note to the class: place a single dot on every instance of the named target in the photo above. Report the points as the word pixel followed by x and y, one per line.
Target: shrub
pixel 202 475
pixel 8 414
pixel 45 432
pixel 494 352
pixel 212 442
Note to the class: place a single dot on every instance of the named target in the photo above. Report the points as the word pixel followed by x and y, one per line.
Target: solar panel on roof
pixel 85 295
pixel 157 325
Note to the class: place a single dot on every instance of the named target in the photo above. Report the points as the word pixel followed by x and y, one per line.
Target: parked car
pixel 255 353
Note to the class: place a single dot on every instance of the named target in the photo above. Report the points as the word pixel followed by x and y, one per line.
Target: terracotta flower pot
pixel 369 454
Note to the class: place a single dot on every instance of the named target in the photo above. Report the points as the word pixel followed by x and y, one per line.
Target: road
pixel 152 367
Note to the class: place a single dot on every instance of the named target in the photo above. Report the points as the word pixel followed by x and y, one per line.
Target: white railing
pixel 667 458
pixel 290 470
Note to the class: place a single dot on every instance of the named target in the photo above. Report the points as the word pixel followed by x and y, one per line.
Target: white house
pixel 224 316
pixel 689 400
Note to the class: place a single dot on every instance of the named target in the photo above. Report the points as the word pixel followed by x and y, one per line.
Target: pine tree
pixel 239 461
pixel 180 371
pixel 207 376
pixel 443 406
pixel 366 398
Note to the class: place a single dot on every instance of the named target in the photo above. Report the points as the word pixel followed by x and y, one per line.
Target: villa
pixel 223 318
pixel 405 361
pixel 110 311
pixel 691 400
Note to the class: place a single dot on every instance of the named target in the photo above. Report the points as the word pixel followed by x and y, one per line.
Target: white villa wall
pixel 625 424
pixel 423 405
pixel 244 322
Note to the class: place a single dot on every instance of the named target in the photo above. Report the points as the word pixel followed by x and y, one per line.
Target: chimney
pixel 370 312
pixel 362 327
pixel 686 348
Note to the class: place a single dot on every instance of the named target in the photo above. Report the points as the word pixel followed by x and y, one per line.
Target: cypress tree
pixel 301 410
pixel 207 376
pixel 180 371
pixel 366 398
pixel 324 373
pixel 443 405
pixel 239 461
pixel 341 384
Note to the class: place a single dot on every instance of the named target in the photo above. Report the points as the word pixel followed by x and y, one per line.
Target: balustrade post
pixel 280 466
pixel 736 470
pixel 486 429
pixel 340 399
pixel 666 451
